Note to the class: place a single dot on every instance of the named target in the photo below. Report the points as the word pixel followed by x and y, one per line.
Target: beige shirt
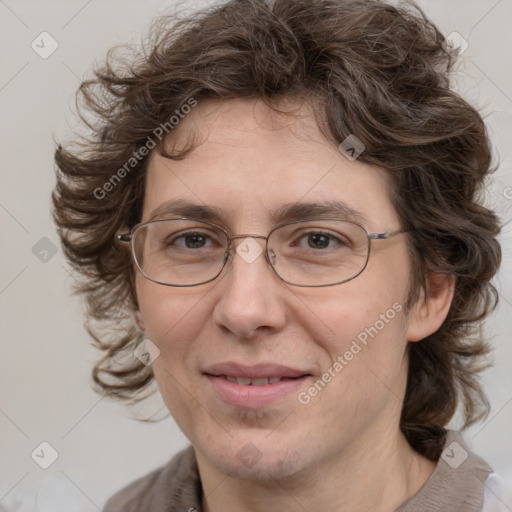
pixel 457 485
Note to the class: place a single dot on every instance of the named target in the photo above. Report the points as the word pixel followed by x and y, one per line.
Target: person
pixel 275 215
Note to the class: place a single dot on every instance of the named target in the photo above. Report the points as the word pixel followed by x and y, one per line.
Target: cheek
pixel 362 337
pixel 172 318
pixel 361 330
pixel 351 311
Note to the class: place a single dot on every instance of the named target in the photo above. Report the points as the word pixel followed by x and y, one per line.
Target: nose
pixel 251 295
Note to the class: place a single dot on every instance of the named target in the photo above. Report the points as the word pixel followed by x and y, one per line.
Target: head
pixel 239 112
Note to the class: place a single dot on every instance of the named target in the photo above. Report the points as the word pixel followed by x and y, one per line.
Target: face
pixel 249 163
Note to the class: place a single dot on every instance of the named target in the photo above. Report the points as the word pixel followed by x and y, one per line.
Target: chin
pixel 255 457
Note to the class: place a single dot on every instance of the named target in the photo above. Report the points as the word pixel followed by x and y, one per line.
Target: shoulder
pixel 174 486
pixel 457 482
pixel 130 497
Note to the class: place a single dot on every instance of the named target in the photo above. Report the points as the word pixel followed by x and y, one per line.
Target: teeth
pixel 259 382
pixel 243 381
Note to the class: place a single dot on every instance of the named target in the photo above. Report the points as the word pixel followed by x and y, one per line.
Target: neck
pixel 376 473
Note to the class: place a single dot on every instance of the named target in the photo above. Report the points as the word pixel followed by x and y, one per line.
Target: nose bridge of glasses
pixel 248 249
pixel 246 235
pixel 242 237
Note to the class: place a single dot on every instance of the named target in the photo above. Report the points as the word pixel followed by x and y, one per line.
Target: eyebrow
pixel 283 213
pixel 297 211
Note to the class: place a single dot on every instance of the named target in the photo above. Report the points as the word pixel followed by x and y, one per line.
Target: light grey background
pixel 46 358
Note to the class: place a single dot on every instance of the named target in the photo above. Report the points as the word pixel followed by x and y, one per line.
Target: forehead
pixel 249 161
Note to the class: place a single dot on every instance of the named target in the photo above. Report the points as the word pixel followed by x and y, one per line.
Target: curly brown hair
pixel 376 71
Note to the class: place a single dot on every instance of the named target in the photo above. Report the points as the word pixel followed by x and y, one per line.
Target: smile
pixel 255 393
pixel 244 381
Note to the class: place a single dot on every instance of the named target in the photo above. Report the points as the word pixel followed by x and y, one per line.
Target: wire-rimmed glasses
pixel 312 252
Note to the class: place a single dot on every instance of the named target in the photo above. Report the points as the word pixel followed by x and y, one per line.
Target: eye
pixel 318 241
pixel 190 240
pixel 321 240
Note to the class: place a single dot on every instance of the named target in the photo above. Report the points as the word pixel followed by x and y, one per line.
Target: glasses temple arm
pixel 384 236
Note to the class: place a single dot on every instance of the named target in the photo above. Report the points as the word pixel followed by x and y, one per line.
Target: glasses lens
pixel 179 252
pixel 316 253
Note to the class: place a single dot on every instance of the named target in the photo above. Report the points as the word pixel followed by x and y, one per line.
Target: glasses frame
pixel 128 238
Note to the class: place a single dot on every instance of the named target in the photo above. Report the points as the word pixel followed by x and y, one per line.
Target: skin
pixel 344 449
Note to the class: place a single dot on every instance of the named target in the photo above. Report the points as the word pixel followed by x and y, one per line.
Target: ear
pixel 138 319
pixel 431 308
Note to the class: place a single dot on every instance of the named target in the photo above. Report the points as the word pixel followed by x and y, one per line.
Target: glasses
pixel 190 252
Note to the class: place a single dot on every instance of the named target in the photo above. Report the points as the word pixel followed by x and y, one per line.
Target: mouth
pixel 245 381
pixel 254 386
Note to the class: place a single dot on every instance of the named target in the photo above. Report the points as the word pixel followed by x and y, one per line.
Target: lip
pixel 251 396
pixel 257 371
